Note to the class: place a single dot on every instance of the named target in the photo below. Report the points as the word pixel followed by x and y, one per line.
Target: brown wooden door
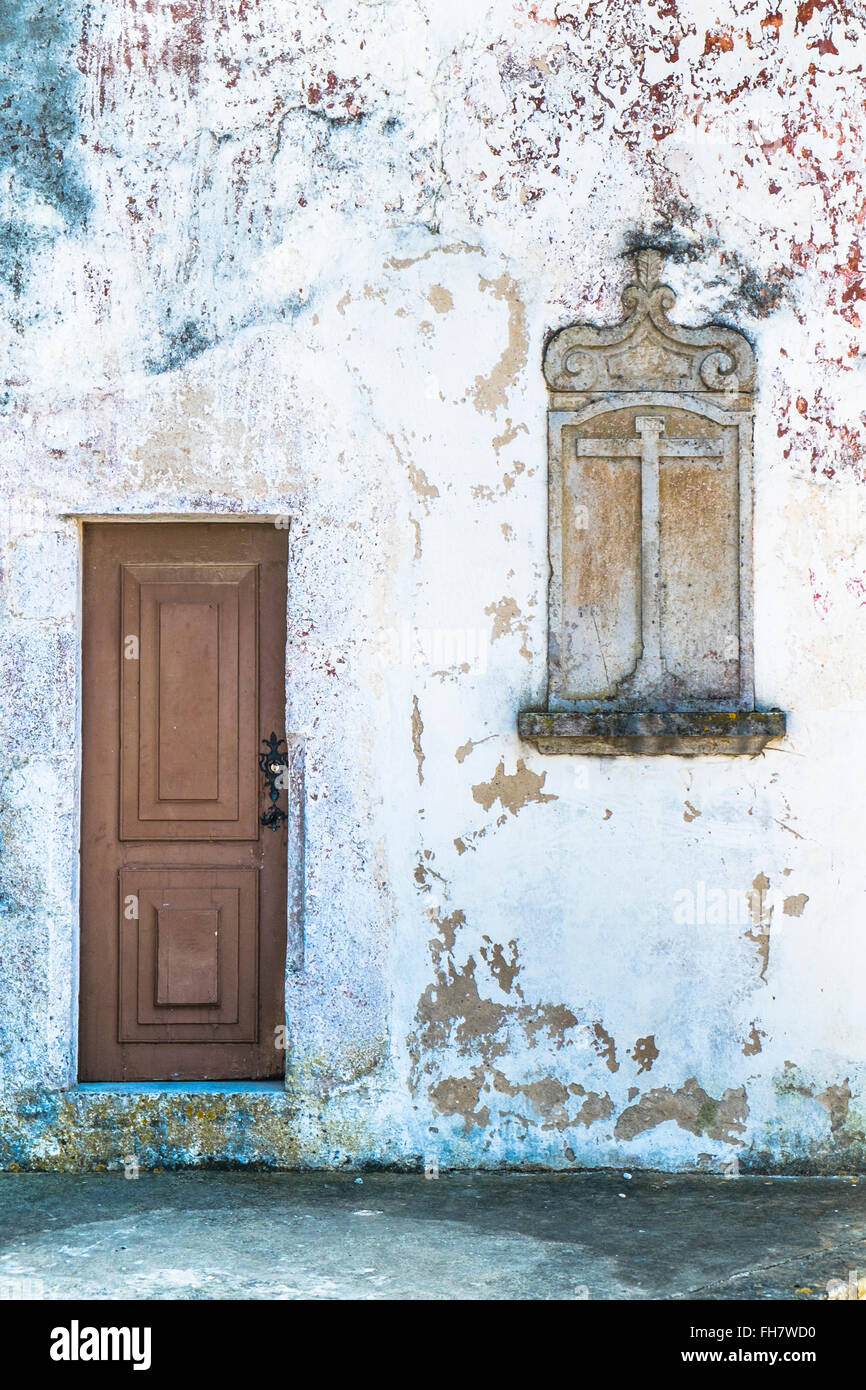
pixel 183 901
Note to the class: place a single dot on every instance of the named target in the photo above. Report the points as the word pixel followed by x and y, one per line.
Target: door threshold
pixel 182 1087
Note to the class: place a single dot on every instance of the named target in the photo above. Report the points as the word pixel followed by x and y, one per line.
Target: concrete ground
pixel 400 1236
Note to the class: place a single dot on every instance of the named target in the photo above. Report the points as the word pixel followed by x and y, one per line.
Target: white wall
pixel 304 261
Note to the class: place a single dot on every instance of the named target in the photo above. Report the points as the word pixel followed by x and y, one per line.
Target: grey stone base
pixel 612 733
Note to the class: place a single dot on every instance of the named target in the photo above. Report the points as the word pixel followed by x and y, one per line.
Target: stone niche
pixel 650 529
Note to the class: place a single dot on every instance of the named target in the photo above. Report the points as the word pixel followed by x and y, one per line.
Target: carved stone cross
pixel 652 447
pixel 650 635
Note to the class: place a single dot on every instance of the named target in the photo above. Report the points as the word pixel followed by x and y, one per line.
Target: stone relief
pixel 650 526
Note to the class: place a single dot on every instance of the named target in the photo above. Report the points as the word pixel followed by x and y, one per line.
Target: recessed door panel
pixel 188 958
pixel 189 702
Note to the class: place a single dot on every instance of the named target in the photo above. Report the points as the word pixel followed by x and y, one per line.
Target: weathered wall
pixel 301 259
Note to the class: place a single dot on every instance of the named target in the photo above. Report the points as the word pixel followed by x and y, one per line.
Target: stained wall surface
pixel 299 260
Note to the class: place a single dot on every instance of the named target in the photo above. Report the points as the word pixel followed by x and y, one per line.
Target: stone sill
pixel 684 733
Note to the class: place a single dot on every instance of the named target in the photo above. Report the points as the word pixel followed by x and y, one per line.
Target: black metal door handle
pixel 273 763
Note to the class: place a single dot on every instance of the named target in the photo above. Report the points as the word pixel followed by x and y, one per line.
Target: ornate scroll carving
pixel 645 350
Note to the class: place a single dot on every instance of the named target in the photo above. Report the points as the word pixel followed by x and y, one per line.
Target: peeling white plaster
pixel 248 320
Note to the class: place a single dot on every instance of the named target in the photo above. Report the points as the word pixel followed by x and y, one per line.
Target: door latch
pixel 274 765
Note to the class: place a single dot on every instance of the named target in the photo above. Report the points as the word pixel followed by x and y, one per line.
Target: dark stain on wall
pixel 759 294
pixel 39 87
pixel 179 347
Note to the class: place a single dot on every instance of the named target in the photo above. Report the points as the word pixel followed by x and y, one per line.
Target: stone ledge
pixel 684 733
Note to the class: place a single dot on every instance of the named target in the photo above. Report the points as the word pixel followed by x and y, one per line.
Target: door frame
pixel 295 825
